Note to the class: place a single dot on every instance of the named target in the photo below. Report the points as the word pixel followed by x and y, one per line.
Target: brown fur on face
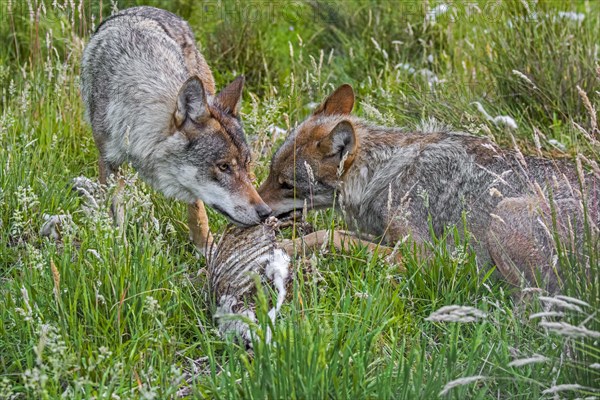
pixel 322 148
pixel 217 141
pixel 232 163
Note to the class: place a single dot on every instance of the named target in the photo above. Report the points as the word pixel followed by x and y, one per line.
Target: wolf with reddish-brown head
pixel 308 166
pixel 397 183
pixel 150 98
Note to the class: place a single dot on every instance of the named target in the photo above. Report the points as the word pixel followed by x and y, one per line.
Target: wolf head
pixel 313 159
pixel 212 160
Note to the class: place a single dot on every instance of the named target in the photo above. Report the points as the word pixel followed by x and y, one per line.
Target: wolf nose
pixel 263 211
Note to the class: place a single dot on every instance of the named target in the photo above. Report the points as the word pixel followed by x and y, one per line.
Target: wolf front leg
pixel 199 229
pixel 342 241
pixel 117 211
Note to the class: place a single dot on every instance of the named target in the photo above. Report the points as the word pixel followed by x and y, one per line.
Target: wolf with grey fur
pixel 397 183
pixel 150 98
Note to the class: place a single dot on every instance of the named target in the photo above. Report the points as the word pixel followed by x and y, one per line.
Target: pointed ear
pixel 340 141
pixel 339 102
pixel 191 102
pixel 230 98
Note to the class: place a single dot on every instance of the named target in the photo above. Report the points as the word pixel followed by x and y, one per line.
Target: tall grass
pixel 95 314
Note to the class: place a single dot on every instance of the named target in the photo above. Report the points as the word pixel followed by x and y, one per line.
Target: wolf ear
pixel 230 98
pixel 191 102
pixel 340 141
pixel 339 102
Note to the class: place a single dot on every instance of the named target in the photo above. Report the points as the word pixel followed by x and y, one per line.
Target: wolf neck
pixel 376 146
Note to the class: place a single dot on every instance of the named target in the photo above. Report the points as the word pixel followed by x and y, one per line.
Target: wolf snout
pixel 263 211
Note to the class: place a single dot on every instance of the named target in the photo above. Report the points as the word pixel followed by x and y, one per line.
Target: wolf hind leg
pixel 519 244
pixel 199 229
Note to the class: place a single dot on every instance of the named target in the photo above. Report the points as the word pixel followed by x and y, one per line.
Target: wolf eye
pixel 224 167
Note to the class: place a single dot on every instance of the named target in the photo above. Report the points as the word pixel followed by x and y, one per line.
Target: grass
pixel 95 316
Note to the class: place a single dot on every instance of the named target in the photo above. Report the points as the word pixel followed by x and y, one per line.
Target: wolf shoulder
pixel 148 38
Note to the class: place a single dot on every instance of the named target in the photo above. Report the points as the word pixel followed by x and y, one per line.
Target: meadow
pixel 99 313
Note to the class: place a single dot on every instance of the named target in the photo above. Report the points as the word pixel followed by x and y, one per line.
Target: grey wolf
pixel 150 98
pixel 396 183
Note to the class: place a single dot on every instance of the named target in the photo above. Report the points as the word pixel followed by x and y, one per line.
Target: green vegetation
pixel 95 316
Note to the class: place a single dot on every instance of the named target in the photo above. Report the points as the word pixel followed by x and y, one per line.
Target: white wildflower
pixel 572 300
pixel 436 11
pixel 151 306
pixel 95 253
pixel 547 314
pixel 34 379
pixel 532 290
pixel 565 329
pixel 27 202
pixel 6 388
pixel 456 313
pixel 36 259
pixel 570 15
pixel 52 348
pixel 114 8
pixel 524 77
pixel 555 301
pixel 506 121
pixel 309 172
pixel 377 46
pixel 406 67
pixel 430 76
pixel 27 312
pixel 562 388
pixel 88 190
pixel 80 383
pixel 177 375
pixel 460 382
pixel 340 169
pixel 503 120
pixel 148 392
pixel 459 255
pixel 536 358
pixel 103 354
pixel 100 299
pixel 277 131
pixel 555 143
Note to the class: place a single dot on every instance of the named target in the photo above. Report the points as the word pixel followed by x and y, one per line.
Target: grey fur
pixel 134 69
pixel 402 181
